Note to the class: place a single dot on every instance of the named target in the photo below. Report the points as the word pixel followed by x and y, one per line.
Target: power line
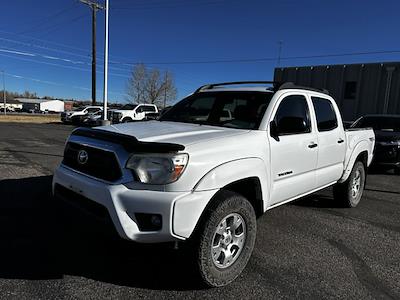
pixel 57 26
pixel 46 41
pixel 263 59
pixel 55 83
pixel 153 5
pixel 58 65
pixel 48 18
pixel 53 58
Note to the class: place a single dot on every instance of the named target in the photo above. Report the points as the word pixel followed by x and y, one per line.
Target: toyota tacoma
pixel 212 164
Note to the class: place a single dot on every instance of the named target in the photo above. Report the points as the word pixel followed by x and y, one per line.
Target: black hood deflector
pixel 130 143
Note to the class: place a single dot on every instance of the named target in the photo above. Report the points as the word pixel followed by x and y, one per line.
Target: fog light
pixel 156 220
pixel 149 222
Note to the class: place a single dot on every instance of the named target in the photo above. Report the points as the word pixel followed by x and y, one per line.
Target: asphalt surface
pixel 308 249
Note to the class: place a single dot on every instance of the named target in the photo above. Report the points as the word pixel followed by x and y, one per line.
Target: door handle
pixel 312 145
pixel 340 141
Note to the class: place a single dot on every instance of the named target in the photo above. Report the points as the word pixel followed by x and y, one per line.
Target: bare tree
pixel 149 86
pixel 136 84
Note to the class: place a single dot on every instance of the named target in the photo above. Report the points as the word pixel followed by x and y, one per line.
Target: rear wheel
pixel 349 193
pixel 225 239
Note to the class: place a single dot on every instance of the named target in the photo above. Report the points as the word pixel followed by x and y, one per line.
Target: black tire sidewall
pixel 225 204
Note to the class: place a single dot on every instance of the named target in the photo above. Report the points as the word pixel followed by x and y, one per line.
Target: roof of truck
pixel 260 86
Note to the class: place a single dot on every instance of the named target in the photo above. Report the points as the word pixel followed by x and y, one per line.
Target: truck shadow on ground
pixel 40 239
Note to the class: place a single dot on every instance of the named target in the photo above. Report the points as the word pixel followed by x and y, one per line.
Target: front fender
pixel 188 210
pixel 235 170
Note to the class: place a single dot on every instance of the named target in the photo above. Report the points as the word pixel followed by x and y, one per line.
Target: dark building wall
pixel 359 89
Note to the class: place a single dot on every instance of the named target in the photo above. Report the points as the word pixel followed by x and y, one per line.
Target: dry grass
pixel 30 118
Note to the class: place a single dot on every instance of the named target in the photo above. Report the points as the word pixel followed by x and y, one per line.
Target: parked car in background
pixel 211 164
pixel 76 115
pixel 133 112
pixel 387 145
pixel 94 119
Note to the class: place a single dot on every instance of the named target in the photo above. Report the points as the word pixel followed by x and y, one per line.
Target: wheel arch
pixel 249 188
pixel 360 153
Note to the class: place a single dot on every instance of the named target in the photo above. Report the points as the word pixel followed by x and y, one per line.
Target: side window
pixel 149 108
pixel 139 109
pixel 92 110
pixel 326 116
pixel 293 116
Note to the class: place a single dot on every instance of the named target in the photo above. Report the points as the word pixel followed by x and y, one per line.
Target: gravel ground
pixel 308 249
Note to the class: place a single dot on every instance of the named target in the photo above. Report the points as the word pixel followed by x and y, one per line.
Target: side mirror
pixel 273 129
pixel 292 125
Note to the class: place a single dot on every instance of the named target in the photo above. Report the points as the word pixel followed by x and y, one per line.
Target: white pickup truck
pixel 202 176
pixel 133 112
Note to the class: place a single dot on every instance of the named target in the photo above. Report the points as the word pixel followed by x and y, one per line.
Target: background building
pixel 41 105
pixel 358 89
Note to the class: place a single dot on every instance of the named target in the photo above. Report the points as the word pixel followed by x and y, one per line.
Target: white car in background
pixel 133 112
pixel 75 114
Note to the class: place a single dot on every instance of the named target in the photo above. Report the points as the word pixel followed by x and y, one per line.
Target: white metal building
pixel 42 104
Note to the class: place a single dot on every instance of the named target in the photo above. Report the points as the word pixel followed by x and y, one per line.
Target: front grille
pixel 99 163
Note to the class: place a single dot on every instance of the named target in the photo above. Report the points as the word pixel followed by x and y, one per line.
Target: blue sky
pixel 45 45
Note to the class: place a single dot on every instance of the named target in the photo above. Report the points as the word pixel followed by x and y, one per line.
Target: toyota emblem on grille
pixel 83 157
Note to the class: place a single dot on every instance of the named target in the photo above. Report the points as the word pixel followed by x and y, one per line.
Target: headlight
pixel 157 168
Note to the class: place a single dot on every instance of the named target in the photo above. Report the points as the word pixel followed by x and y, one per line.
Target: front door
pixel 294 150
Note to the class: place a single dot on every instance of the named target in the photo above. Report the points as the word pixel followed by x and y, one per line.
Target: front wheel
pixel 349 193
pixel 127 120
pixel 225 239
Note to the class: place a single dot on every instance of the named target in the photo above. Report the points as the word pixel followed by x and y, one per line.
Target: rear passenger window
pixel 292 116
pixel 149 108
pixel 326 116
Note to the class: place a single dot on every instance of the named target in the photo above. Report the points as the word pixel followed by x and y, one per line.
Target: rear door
pixel 331 141
pixel 294 152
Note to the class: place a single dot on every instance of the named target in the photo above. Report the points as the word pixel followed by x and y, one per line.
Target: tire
pixel 126 120
pixel 349 193
pixel 221 270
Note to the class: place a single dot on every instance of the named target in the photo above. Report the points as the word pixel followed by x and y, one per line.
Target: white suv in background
pixel 133 112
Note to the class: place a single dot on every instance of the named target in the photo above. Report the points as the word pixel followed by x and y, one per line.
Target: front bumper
pixel 180 211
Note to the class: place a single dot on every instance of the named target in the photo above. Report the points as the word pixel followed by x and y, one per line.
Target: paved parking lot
pixel 309 249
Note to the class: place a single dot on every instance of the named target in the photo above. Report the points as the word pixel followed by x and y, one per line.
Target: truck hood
pixel 172 132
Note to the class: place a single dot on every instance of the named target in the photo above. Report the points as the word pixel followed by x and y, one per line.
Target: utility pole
pixel 279 53
pixel 4 93
pixel 105 94
pixel 94 7
pixel 165 89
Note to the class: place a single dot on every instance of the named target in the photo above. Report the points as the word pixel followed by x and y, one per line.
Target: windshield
pixel 128 107
pixel 242 110
pixel 380 123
